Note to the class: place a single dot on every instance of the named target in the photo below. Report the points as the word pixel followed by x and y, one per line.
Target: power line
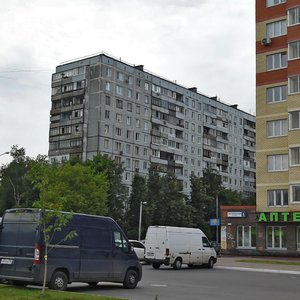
pixel 13 70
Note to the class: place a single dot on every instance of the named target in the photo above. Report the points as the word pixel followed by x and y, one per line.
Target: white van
pixel 178 245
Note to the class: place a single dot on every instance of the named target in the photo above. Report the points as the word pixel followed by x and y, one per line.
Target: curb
pixel 258 270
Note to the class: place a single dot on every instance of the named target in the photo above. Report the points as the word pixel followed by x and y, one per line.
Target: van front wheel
pixel 131 279
pixel 210 263
pixel 177 264
pixel 59 281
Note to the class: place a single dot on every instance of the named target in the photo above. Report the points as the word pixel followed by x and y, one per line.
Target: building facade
pixel 238 229
pixel 278 125
pixel 103 105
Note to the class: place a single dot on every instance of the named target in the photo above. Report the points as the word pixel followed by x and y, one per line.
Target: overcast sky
pixel 209 44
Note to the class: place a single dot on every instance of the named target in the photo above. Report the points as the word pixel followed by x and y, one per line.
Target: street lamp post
pixel 217 217
pixel 140 219
pixel 4 153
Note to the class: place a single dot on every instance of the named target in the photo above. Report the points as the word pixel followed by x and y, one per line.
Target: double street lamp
pixel 140 219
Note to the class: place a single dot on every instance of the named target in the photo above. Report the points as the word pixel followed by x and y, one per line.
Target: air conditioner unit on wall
pixel 266 41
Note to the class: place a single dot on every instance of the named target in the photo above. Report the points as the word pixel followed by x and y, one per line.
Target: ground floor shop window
pixel 246 236
pixel 298 238
pixel 276 237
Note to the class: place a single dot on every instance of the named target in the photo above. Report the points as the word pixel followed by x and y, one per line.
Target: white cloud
pixel 204 43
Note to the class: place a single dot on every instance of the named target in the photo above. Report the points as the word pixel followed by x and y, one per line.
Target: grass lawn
pixel 11 293
pixel 270 261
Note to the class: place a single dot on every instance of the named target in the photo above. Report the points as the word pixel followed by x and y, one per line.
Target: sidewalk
pixel 235 263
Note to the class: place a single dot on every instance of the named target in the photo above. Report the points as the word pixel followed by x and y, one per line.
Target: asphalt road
pixel 206 284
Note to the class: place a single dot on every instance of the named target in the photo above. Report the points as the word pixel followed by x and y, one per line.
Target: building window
pixel 277 128
pixel 294 84
pixel 276 237
pixel 137 123
pixel 276 94
pixel 119 90
pixel 277 163
pixel 106 128
pixel 295 193
pixel 246 236
pixel 276 61
pixel 119 104
pixel 294 50
pixel 107 100
pixel 137 150
pixel 137 136
pixel 108 72
pixel 295 120
pixel 294 16
pixel 106 144
pixel 120 76
pixel 277 197
pixel 118 146
pixel 298 237
pixel 119 118
pixel 276 28
pixel 295 156
pixel 129 106
pixel 274 2
pixel 129 93
pixel 107 113
pixel 128 148
pixel 107 86
pixel 118 131
pixel 137 96
pixel 129 121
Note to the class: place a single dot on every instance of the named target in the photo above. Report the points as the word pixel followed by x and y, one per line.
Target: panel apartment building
pixel 278 125
pixel 103 105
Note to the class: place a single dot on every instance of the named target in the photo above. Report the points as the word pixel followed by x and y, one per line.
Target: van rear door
pixel 156 243
pixel 17 240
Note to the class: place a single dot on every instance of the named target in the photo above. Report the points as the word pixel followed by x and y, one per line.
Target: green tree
pixel 70 187
pixel 173 209
pixel 138 195
pixel 200 202
pixel 166 203
pixel 152 213
pixel 15 191
pixel 117 192
pixel 229 197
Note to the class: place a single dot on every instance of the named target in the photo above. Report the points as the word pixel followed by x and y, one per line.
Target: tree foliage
pixel 138 195
pixel 15 191
pixel 117 192
pixel 70 187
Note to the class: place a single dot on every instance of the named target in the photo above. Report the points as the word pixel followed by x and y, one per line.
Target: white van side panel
pixel 185 243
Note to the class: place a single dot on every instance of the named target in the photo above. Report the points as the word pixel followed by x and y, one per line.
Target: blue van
pixel 100 251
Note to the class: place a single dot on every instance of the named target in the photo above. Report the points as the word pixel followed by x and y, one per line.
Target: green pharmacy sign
pixel 279 216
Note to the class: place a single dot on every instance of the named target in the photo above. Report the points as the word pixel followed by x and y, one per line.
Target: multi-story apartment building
pixel 104 105
pixel 278 125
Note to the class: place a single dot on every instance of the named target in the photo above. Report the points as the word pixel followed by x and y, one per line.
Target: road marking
pixel 159 285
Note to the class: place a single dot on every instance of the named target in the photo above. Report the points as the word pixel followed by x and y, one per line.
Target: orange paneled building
pixel 278 126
